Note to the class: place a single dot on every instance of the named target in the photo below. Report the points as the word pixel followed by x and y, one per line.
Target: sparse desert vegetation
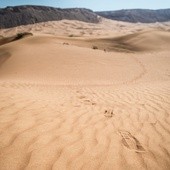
pixel 94 47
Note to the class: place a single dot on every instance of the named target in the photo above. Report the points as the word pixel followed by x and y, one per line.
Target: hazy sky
pixel 96 5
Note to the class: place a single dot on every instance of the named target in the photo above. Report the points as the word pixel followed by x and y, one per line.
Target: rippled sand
pixel 64 105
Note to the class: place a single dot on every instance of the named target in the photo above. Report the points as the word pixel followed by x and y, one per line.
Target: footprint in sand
pixel 89 102
pixel 108 113
pixel 86 101
pixel 131 142
pixel 82 97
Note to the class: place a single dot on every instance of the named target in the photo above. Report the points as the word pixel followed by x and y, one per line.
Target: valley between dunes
pixel 85 96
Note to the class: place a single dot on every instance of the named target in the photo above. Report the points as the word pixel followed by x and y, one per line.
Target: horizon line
pixel 85 8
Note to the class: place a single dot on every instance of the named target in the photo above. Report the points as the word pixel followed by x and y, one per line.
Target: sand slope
pixel 64 105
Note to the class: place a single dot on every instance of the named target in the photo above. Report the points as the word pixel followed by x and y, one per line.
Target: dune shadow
pixel 4 56
pixel 5 40
pixel 117 44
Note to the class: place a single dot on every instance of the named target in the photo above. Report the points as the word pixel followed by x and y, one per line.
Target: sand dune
pixel 64 105
pixel 134 42
pixel 82 29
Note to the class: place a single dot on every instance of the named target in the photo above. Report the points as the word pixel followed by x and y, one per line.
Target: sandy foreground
pixel 65 105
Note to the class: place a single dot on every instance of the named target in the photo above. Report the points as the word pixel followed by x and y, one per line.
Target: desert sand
pixel 67 106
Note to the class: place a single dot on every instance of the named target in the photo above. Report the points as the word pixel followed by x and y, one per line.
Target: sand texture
pixel 85 96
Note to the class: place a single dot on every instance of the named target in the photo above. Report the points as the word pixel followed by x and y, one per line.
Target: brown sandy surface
pixel 64 105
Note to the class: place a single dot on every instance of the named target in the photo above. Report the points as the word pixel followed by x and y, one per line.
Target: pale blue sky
pixel 96 5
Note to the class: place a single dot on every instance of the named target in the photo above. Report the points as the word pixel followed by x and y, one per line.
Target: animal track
pixel 131 142
pixel 108 113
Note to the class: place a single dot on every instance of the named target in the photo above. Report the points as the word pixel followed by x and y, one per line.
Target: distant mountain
pixel 28 14
pixel 24 15
pixel 138 15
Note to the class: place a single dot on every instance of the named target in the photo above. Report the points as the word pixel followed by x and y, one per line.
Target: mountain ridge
pixel 13 16
pixel 30 14
pixel 137 15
